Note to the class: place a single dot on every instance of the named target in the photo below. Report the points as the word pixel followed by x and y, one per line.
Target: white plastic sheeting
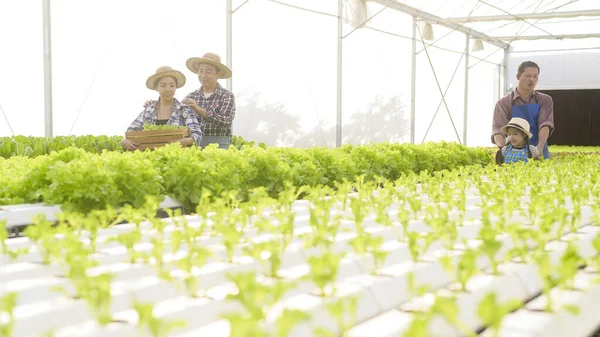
pixel 284 65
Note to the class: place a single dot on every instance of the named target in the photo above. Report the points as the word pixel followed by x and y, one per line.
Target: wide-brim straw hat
pixel 517 123
pixel 210 58
pixel 165 71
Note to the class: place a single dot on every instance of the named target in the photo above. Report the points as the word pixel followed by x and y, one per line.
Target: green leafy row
pixel 84 181
pixel 31 147
pixel 524 203
pixel 150 127
pixel 239 143
pixel 37 146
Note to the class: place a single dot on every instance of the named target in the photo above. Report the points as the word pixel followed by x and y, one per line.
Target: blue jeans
pixel 223 141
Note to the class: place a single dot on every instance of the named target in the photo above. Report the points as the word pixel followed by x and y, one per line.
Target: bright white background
pixel 284 68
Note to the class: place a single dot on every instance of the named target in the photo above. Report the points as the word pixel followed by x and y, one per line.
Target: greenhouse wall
pixel 561 70
pixel 284 70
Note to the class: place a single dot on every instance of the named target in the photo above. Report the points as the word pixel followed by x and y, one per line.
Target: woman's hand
pixel 129 145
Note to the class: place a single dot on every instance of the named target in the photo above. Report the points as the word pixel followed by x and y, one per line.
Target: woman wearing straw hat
pixel 214 104
pixel 167 110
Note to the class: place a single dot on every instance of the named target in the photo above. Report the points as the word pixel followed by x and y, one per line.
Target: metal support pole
pixel 340 35
pixel 500 74
pixel 548 36
pixel 413 81
pixel 506 80
pixel 525 16
pixel 467 51
pixel 428 17
pixel 47 70
pixel 229 42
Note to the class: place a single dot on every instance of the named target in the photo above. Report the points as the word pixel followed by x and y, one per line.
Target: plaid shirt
pixel 512 155
pixel 181 115
pixel 220 108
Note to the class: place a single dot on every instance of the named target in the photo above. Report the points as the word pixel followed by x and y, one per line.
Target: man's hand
pixel 499 157
pixel 541 152
pixel 194 105
pixel 149 103
pixel 542 138
pixel 185 142
pixel 129 145
pixel 190 102
pixel 499 140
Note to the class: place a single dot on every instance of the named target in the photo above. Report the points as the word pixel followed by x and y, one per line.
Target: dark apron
pixel 530 113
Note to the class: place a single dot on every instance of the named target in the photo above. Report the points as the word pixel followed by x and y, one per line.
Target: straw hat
pixel 210 58
pixel 517 123
pixel 165 71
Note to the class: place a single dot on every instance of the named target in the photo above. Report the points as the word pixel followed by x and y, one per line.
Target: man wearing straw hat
pixel 214 104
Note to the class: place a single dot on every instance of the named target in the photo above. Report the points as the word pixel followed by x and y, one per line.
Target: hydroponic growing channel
pixel 494 251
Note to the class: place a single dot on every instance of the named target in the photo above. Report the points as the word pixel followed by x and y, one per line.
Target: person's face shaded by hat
pixel 516 137
pixel 208 74
pixel 166 87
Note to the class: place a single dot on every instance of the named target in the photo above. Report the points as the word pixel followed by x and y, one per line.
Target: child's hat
pixel 517 123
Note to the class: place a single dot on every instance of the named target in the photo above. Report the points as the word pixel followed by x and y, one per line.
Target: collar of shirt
pixel 218 91
pixel 152 109
pixel 529 99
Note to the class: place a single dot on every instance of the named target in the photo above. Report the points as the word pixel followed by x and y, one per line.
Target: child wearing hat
pixel 518 148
